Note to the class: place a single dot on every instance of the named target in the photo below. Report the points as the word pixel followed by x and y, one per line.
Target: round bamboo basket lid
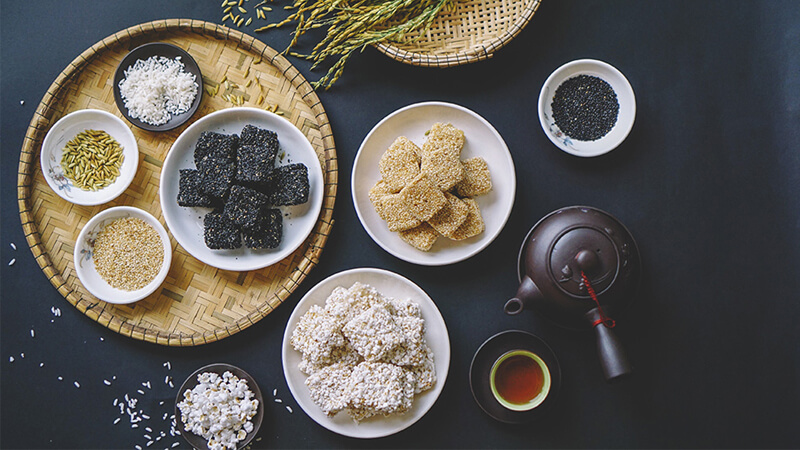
pixel 197 304
pixel 471 32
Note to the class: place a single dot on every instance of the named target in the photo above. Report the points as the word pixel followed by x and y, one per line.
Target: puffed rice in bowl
pixel 219 407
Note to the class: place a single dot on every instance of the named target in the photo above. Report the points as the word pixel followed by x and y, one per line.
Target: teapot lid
pixel 583 250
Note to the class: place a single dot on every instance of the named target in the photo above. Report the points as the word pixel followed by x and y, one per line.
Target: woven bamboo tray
pixel 472 32
pixel 197 304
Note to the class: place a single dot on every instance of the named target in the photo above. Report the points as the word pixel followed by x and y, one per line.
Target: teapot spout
pixel 527 293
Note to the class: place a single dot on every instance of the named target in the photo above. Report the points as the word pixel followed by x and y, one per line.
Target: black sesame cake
pixel 189 193
pixel 216 174
pixel 220 233
pixel 259 137
pixel 289 185
pixel 254 163
pixel 211 142
pixel 267 233
pixel 245 206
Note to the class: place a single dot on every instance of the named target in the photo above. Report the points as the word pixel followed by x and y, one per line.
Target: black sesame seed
pixel 585 107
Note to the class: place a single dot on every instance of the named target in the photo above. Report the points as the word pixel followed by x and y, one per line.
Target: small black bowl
pixel 199 442
pixel 169 51
pixel 481 366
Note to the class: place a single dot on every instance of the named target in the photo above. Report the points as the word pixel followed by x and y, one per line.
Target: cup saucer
pixel 481 367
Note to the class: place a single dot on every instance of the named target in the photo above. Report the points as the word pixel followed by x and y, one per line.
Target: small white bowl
pixel 625 97
pixel 65 130
pixel 84 264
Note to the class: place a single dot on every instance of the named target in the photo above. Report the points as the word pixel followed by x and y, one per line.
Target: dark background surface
pixel 708 182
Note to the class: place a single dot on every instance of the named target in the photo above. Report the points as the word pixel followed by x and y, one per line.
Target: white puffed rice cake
pixel 364 353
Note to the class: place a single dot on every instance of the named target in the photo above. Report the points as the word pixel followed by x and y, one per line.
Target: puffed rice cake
pixel 399 164
pixel 441 156
pixel 389 331
pixel 477 179
pixel 450 217
pixel 422 197
pixel 421 237
pixel 474 224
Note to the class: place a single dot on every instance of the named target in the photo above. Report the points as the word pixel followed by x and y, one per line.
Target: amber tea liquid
pixel 519 379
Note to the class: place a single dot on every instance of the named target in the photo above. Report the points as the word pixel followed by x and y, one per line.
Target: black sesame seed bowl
pixel 587 107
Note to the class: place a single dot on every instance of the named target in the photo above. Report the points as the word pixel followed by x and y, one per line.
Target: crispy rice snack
pixel 393 210
pixel 450 217
pixel 428 192
pixel 345 304
pixel 379 190
pixel 316 336
pixel 424 372
pixel 384 359
pixel 400 163
pixel 441 156
pixel 474 224
pixel 374 333
pixel 444 136
pixel 327 388
pixel 380 388
pixel 422 198
pixel 422 237
pixel 477 180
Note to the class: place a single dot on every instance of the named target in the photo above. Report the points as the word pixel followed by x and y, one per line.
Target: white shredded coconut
pixel 219 409
pixel 156 88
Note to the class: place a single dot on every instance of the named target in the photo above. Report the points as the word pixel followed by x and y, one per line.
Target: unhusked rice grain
pixel 128 253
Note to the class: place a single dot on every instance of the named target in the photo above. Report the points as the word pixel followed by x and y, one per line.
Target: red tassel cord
pixel 604 319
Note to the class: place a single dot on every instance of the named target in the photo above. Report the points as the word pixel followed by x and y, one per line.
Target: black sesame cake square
pixel 220 233
pixel 254 164
pixel 290 185
pixel 216 174
pixel 245 206
pixel 267 233
pixel 259 137
pixel 211 142
pixel 189 193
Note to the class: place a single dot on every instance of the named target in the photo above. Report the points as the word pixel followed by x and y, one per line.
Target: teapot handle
pixel 613 358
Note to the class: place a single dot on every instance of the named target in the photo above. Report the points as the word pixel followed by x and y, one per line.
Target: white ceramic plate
pixel 186 224
pixel 625 97
pixel 64 131
pixel 392 285
pixel 481 140
pixel 84 263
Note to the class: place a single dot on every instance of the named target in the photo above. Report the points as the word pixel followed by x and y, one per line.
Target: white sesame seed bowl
pixel 389 284
pixel 136 244
pixel 67 129
pixel 609 140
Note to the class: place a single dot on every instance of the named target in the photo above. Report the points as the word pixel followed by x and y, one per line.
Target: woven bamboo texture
pixel 197 304
pixel 471 32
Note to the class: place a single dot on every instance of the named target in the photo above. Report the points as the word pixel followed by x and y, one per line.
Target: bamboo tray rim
pixel 47 113
pixel 484 50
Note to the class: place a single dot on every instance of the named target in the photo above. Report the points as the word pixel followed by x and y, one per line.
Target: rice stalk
pixel 352 25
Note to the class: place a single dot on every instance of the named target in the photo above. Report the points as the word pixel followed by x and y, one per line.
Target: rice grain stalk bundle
pixel 354 25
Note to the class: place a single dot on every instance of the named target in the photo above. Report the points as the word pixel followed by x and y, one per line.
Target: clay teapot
pixel 580 267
